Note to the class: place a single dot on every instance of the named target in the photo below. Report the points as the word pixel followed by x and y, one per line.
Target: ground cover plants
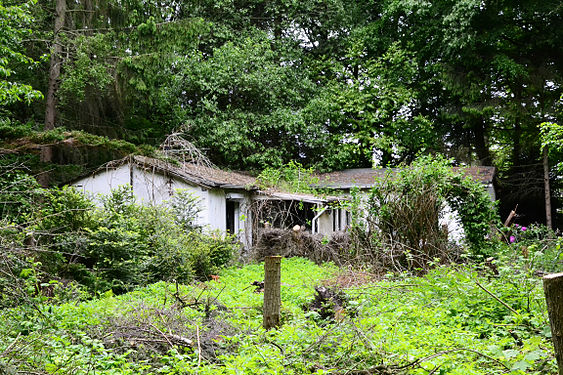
pixel 442 323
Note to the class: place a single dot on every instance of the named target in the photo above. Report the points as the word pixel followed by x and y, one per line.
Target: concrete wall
pixel 325 223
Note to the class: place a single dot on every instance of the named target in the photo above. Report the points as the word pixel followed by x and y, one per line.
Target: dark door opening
pixel 231 216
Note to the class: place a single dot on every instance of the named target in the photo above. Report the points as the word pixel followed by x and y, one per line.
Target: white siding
pixel 155 188
pixel 217 210
pixel 104 182
pixel 450 219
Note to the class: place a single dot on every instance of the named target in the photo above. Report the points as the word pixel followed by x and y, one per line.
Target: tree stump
pixel 553 289
pixel 272 291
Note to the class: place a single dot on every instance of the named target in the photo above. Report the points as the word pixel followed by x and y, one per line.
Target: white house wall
pixel 450 218
pixel 155 188
pixel 104 182
pixel 217 210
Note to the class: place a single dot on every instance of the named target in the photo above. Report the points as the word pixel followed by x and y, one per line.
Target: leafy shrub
pixel 400 225
pixel 10 129
pixel 210 253
pixel 117 246
pixel 186 207
pixel 18 191
pixel 291 177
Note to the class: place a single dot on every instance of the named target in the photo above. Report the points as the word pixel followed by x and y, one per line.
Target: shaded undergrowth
pixel 442 323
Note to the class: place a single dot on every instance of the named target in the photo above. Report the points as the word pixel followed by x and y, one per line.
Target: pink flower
pixel 524 228
pixel 512 239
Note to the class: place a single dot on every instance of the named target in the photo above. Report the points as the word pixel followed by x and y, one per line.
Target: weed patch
pixel 442 323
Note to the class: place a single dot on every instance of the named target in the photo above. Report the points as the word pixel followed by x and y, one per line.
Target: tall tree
pixel 489 72
pixel 55 66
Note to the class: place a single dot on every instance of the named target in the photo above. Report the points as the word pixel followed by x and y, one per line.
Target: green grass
pixel 443 320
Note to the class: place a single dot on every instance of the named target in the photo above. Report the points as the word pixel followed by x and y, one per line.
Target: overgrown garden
pixel 289 89
pixel 117 287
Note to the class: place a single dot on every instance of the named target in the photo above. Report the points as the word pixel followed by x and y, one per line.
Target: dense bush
pixel 120 245
pixel 398 224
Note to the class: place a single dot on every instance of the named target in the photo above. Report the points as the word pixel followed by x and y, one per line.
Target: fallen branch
pixel 7 350
pixel 383 369
pixel 495 297
pixel 198 349
pixel 444 352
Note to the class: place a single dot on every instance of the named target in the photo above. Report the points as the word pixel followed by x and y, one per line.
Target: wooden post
pixel 547 191
pixel 272 291
pixel 553 289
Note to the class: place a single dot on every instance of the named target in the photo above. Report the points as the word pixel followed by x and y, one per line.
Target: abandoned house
pixel 231 202
pixel 364 179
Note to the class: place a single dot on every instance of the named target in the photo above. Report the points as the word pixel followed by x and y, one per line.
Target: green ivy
pixel 291 177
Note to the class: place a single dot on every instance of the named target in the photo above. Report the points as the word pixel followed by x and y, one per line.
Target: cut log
pixel 272 291
pixel 553 289
pixel 510 217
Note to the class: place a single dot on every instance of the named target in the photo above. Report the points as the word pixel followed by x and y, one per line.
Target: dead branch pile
pixel 289 243
pixel 329 303
pixel 377 250
pixel 148 330
pixel 180 149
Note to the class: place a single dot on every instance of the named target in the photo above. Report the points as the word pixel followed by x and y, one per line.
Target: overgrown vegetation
pixel 261 85
pixel 292 177
pixel 59 236
pixel 444 322
pixel 65 259
pixel 401 224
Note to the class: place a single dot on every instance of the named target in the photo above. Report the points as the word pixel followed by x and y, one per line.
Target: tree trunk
pixel 481 148
pixel 547 190
pixel 553 289
pixel 517 149
pixel 272 291
pixel 52 87
pixel 54 67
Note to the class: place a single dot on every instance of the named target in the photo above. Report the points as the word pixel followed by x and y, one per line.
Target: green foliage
pixel 14 26
pixel 291 177
pixel 405 206
pixel 375 113
pixel 246 106
pixel 10 129
pixel 551 134
pixel 478 215
pixel 209 254
pixel 533 249
pixel 441 321
pixel 118 246
pixel 18 191
pixel 185 208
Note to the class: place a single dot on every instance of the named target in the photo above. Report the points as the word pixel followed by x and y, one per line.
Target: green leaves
pixel 15 21
pixel 441 322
